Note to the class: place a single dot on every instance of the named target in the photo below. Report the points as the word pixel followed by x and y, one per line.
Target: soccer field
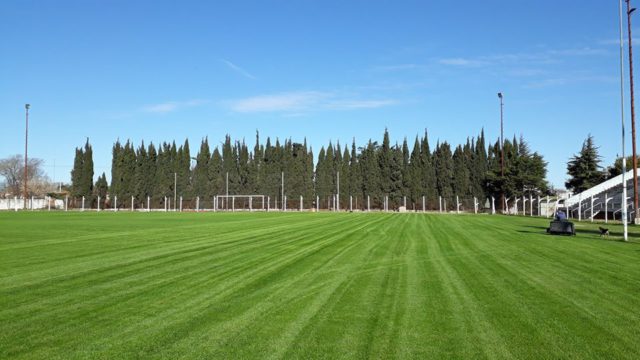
pixel 305 285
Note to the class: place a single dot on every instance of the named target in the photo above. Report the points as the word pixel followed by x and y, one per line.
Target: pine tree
pixel 584 168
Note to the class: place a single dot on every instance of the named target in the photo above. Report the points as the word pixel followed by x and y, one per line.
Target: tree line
pixel 375 169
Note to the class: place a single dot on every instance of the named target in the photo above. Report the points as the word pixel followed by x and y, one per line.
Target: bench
pixel 562 227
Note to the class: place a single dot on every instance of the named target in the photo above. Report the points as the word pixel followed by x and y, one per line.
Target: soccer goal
pixel 239 203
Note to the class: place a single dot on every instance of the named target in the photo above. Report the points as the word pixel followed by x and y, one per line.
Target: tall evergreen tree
pixel 201 184
pixel 443 164
pixel 355 176
pixel 584 168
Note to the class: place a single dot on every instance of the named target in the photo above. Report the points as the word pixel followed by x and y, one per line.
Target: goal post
pixel 252 202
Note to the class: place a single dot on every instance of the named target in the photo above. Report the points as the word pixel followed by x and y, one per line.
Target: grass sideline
pixel 304 285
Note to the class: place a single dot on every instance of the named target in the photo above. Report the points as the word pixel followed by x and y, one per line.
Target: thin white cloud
pixel 463 62
pixel 396 67
pixel 305 101
pixel 171 106
pixel 238 69
pixel 539 58
pixel 360 104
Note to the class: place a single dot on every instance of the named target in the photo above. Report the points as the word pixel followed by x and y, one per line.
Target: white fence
pixel 17 203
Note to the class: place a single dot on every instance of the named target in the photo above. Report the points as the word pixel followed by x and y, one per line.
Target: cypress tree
pixel 370 170
pixel 443 164
pixel 201 184
pixel 414 176
pixel 395 171
pixel 215 174
pixel 355 175
pixel 76 174
pixel 385 158
pixel 100 189
pixel 460 174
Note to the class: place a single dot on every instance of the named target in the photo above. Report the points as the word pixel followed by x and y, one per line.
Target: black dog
pixel 603 231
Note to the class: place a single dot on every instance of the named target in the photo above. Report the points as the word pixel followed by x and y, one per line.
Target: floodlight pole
pixel 633 111
pixel 501 148
pixel 624 160
pixel 26 142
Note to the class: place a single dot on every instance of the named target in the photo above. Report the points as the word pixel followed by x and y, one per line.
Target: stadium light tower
pixel 624 159
pixel 633 113
pixel 501 150
pixel 26 142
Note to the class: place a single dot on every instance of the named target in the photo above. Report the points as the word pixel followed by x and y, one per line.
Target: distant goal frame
pixel 228 202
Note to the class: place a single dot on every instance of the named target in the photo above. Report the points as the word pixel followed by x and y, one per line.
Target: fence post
pixel 165 204
pixel 350 202
pixel 82 203
pixel 423 205
pixel 368 203
pixel 440 203
pixel 268 203
pixel 115 203
pixel 180 203
pixel 457 205
pixel 197 203
pixel 580 207
pixel 48 203
pixel 301 203
pixel 132 203
pixel 148 203
pixel 530 205
pixel 284 203
pixel 317 203
pixel 493 205
pixel 475 205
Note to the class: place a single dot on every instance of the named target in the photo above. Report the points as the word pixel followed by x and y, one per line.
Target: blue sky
pixel 324 70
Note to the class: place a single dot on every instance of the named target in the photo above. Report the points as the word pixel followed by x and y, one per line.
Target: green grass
pixel 104 285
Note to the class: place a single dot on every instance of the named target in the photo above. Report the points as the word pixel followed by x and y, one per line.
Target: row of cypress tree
pixel 373 170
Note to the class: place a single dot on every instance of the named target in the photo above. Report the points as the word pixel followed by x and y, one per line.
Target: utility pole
pixel 26 142
pixel 501 150
pixel 633 112
pixel 226 200
pixel 338 191
pixel 624 159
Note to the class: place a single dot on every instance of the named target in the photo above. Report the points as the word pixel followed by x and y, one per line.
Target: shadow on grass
pixel 595 234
